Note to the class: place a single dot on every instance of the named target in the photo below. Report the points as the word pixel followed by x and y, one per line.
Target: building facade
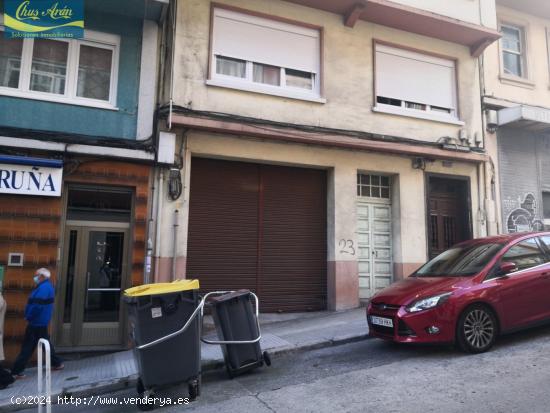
pixel 322 149
pixel 77 142
pixel 516 100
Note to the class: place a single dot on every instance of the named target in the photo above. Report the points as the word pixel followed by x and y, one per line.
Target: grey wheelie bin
pixel 165 327
pixel 238 329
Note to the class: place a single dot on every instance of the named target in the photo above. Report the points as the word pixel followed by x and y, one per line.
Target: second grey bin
pixel 236 321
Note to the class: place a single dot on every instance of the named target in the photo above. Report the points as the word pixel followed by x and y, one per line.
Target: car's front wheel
pixel 477 329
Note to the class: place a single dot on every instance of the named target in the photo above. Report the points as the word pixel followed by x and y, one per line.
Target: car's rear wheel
pixel 477 329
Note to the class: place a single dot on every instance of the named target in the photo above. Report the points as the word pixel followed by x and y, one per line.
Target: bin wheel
pixel 194 390
pixel 267 358
pixel 229 372
pixel 140 388
pixel 144 393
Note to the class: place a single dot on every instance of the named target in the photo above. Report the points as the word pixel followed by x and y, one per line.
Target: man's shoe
pixel 57 368
pixel 19 376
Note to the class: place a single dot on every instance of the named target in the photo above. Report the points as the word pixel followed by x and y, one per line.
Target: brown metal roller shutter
pixel 259 227
pixel 223 224
pixel 294 247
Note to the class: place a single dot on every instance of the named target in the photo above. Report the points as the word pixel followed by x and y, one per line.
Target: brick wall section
pixel 32 225
pixel 29 225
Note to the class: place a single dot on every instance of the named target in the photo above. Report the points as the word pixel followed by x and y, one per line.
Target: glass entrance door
pixel 94 275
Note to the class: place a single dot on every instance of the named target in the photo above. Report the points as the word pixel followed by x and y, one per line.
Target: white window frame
pixel 524 81
pixel 522 50
pixel 247 83
pixel 380 198
pixel 429 113
pixel 91 38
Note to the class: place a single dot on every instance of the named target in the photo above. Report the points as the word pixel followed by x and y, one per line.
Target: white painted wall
pixel 147 79
pixel 472 11
pixel 535 89
pixel 348 74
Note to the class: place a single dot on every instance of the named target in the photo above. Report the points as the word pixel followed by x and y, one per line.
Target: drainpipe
pixel 175 246
pixel 150 228
pixel 160 195
pixel 172 59
pixel 491 190
pixel 482 218
pixel 491 202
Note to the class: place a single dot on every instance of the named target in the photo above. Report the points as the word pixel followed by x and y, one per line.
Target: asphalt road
pixel 380 377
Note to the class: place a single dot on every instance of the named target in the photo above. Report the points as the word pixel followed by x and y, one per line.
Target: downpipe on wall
pixel 150 228
pixel 160 191
pixel 172 60
pixel 175 246
pixel 482 212
pixel 492 214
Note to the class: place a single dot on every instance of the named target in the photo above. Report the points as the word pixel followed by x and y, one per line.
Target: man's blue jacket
pixel 39 309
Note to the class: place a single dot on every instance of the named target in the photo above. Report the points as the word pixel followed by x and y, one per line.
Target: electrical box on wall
pixel 166 148
pixel 15 259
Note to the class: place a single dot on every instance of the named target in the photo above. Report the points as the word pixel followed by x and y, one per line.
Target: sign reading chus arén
pixel 44 18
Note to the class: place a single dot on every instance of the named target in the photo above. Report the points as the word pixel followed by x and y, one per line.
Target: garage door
pixel 259 227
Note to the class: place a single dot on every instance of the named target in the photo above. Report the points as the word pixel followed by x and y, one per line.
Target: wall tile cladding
pixel 31 225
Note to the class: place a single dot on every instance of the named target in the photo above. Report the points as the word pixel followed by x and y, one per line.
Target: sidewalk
pixel 107 373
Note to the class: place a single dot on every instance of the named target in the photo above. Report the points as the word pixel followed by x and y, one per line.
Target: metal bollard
pixel 42 343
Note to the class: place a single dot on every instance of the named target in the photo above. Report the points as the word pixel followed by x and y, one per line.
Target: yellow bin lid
pixel 162 288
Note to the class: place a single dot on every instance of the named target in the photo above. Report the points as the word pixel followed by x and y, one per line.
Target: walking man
pixel 38 314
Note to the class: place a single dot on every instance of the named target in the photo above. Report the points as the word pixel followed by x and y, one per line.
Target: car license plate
pixel 381 321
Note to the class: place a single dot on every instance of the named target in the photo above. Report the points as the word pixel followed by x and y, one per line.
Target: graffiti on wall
pixel 524 214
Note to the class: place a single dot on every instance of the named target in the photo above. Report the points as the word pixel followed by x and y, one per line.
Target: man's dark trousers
pixel 32 335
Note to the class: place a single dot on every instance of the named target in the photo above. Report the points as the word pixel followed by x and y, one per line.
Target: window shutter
pixel 261 40
pixel 414 77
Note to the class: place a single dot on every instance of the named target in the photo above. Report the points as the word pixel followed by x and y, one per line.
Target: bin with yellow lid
pixel 162 288
pixel 165 328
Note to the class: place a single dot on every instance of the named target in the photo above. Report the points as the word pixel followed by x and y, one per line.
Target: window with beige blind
pixel 257 54
pixel 414 84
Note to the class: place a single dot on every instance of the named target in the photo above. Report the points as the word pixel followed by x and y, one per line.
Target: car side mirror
pixel 507 268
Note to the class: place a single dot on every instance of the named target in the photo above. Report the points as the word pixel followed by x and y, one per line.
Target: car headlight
pixel 426 303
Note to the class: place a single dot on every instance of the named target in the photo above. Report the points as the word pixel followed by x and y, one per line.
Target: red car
pixel 469 294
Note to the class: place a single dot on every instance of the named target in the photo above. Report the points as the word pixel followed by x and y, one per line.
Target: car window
pixel 525 254
pixel 546 242
pixel 460 261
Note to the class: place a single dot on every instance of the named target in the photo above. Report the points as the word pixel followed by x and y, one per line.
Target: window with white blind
pixel 257 54
pixel 414 84
pixel 75 71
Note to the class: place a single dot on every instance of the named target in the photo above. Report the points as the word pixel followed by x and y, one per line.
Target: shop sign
pixel 30 180
pixel 44 18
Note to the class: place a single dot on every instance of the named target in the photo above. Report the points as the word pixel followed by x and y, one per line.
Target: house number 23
pixel 346 246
